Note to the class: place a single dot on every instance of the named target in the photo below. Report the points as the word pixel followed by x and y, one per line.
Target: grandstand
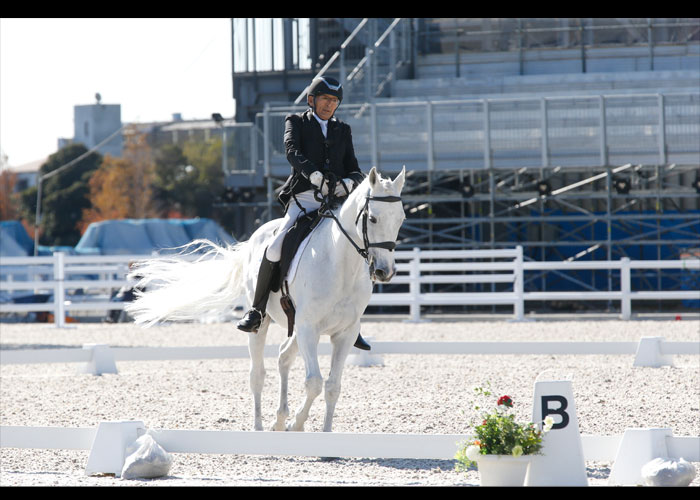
pixel 575 138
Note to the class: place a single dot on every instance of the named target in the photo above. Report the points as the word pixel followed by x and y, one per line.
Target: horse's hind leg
pixel 256 348
pixel 288 353
pixel 307 342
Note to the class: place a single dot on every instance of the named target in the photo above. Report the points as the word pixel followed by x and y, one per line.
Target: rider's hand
pixel 316 178
pixel 340 190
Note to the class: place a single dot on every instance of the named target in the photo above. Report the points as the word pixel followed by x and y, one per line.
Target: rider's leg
pixel 268 269
pixel 251 321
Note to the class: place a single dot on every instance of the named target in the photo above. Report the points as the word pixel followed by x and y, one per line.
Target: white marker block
pixel 358 357
pixel 649 353
pixel 561 461
pixel 637 447
pixel 102 360
pixel 108 450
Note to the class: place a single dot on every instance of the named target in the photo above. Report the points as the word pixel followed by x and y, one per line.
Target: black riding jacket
pixel 308 151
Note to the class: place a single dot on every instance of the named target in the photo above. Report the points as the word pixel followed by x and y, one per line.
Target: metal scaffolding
pixel 567 177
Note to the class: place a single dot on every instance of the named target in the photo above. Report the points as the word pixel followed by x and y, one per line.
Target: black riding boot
pixel 360 343
pixel 251 321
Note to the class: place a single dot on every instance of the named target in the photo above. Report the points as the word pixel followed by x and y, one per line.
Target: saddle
pixel 305 223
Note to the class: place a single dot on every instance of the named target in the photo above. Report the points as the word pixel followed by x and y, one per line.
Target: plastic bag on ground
pixel 146 459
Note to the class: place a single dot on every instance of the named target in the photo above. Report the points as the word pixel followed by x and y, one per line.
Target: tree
pixel 188 180
pixel 173 178
pixel 121 187
pixel 64 196
pixel 8 198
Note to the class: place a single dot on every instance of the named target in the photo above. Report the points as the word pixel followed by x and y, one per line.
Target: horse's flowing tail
pixel 181 287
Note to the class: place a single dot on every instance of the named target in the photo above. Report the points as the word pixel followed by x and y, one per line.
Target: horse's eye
pixel 372 219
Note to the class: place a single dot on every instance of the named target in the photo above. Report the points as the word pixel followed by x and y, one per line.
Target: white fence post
pixel 519 286
pixel 59 299
pixel 414 286
pixel 625 288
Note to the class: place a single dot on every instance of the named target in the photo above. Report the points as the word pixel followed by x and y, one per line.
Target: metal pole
pixel 431 141
pixel 603 133
pixel 662 130
pixel 37 216
pixel 374 131
pixel 266 156
pixel 650 36
pixel 224 152
pixel 545 134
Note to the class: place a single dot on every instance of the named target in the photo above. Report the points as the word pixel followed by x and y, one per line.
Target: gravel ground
pixel 428 394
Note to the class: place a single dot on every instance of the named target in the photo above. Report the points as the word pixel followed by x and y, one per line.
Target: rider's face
pixel 325 105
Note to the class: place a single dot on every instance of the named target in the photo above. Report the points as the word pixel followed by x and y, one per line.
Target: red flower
pixel 506 401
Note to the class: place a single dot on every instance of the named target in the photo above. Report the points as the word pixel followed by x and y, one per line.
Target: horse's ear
pixel 400 179
pixel 373 176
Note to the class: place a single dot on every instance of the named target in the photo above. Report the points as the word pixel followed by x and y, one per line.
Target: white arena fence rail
pixel 336 444
pixel 501 270
pixel 101 358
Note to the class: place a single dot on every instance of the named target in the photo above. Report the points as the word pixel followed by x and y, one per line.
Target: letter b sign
pixel 561 462
pixel 555 405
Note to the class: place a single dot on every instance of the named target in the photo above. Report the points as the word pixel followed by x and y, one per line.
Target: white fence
pixel 107 452
pixel 498 268
pixel 315 444
pixel 99 358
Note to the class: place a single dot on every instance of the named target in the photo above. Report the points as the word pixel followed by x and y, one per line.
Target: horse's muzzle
pixel 380 274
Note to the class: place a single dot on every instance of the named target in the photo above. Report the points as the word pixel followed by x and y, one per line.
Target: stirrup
pixel 251 321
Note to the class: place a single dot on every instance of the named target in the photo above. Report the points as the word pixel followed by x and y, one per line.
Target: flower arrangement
pixel 500 434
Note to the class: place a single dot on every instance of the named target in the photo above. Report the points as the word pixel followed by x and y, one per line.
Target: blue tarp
pixel 145 236
pixel 119 237
pixel 14 240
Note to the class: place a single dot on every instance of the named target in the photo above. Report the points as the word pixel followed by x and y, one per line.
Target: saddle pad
pixel 293 246
pixel 292 271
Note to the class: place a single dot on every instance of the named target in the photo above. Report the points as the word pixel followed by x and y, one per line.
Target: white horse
pixel 330 289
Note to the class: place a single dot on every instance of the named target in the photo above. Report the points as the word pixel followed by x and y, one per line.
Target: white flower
pixel 548 423
pixel 473 452
pixel 517 450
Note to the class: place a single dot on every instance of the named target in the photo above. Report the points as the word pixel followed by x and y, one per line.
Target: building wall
pixel 93 123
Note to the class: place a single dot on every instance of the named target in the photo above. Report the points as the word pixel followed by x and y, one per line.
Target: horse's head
pixel 383 215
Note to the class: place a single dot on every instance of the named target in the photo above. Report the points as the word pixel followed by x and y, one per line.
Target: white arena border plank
pixel 68 355
pixel 312 444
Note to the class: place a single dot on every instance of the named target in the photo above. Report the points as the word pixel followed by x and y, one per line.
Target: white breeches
pixel 306 200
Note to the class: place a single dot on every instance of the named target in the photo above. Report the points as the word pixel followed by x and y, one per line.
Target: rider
pixel 318 147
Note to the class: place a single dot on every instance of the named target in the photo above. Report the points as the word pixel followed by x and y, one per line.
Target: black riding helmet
pixel 326 85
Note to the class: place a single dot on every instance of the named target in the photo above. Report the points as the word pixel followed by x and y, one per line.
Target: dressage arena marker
pixel 561 462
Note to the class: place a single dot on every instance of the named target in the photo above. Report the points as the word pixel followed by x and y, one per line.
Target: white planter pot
pixel 502 470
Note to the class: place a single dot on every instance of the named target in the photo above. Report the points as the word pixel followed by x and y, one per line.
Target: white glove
pixel 316 178
pixel 340 190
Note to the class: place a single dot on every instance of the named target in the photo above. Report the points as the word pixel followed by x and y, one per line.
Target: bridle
pixel 364 213
pixel 325 211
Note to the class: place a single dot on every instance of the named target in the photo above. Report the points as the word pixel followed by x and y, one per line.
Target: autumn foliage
pixel 121 187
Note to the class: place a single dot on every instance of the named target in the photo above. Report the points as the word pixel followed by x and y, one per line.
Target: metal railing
pixel 455 36
pixel 585 131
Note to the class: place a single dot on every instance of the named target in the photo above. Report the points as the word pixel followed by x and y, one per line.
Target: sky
pixel 152 67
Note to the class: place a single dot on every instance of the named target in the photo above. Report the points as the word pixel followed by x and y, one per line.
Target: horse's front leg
pixel 256 348
pixel 342 344
pixel 307 342
pixel 288 352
